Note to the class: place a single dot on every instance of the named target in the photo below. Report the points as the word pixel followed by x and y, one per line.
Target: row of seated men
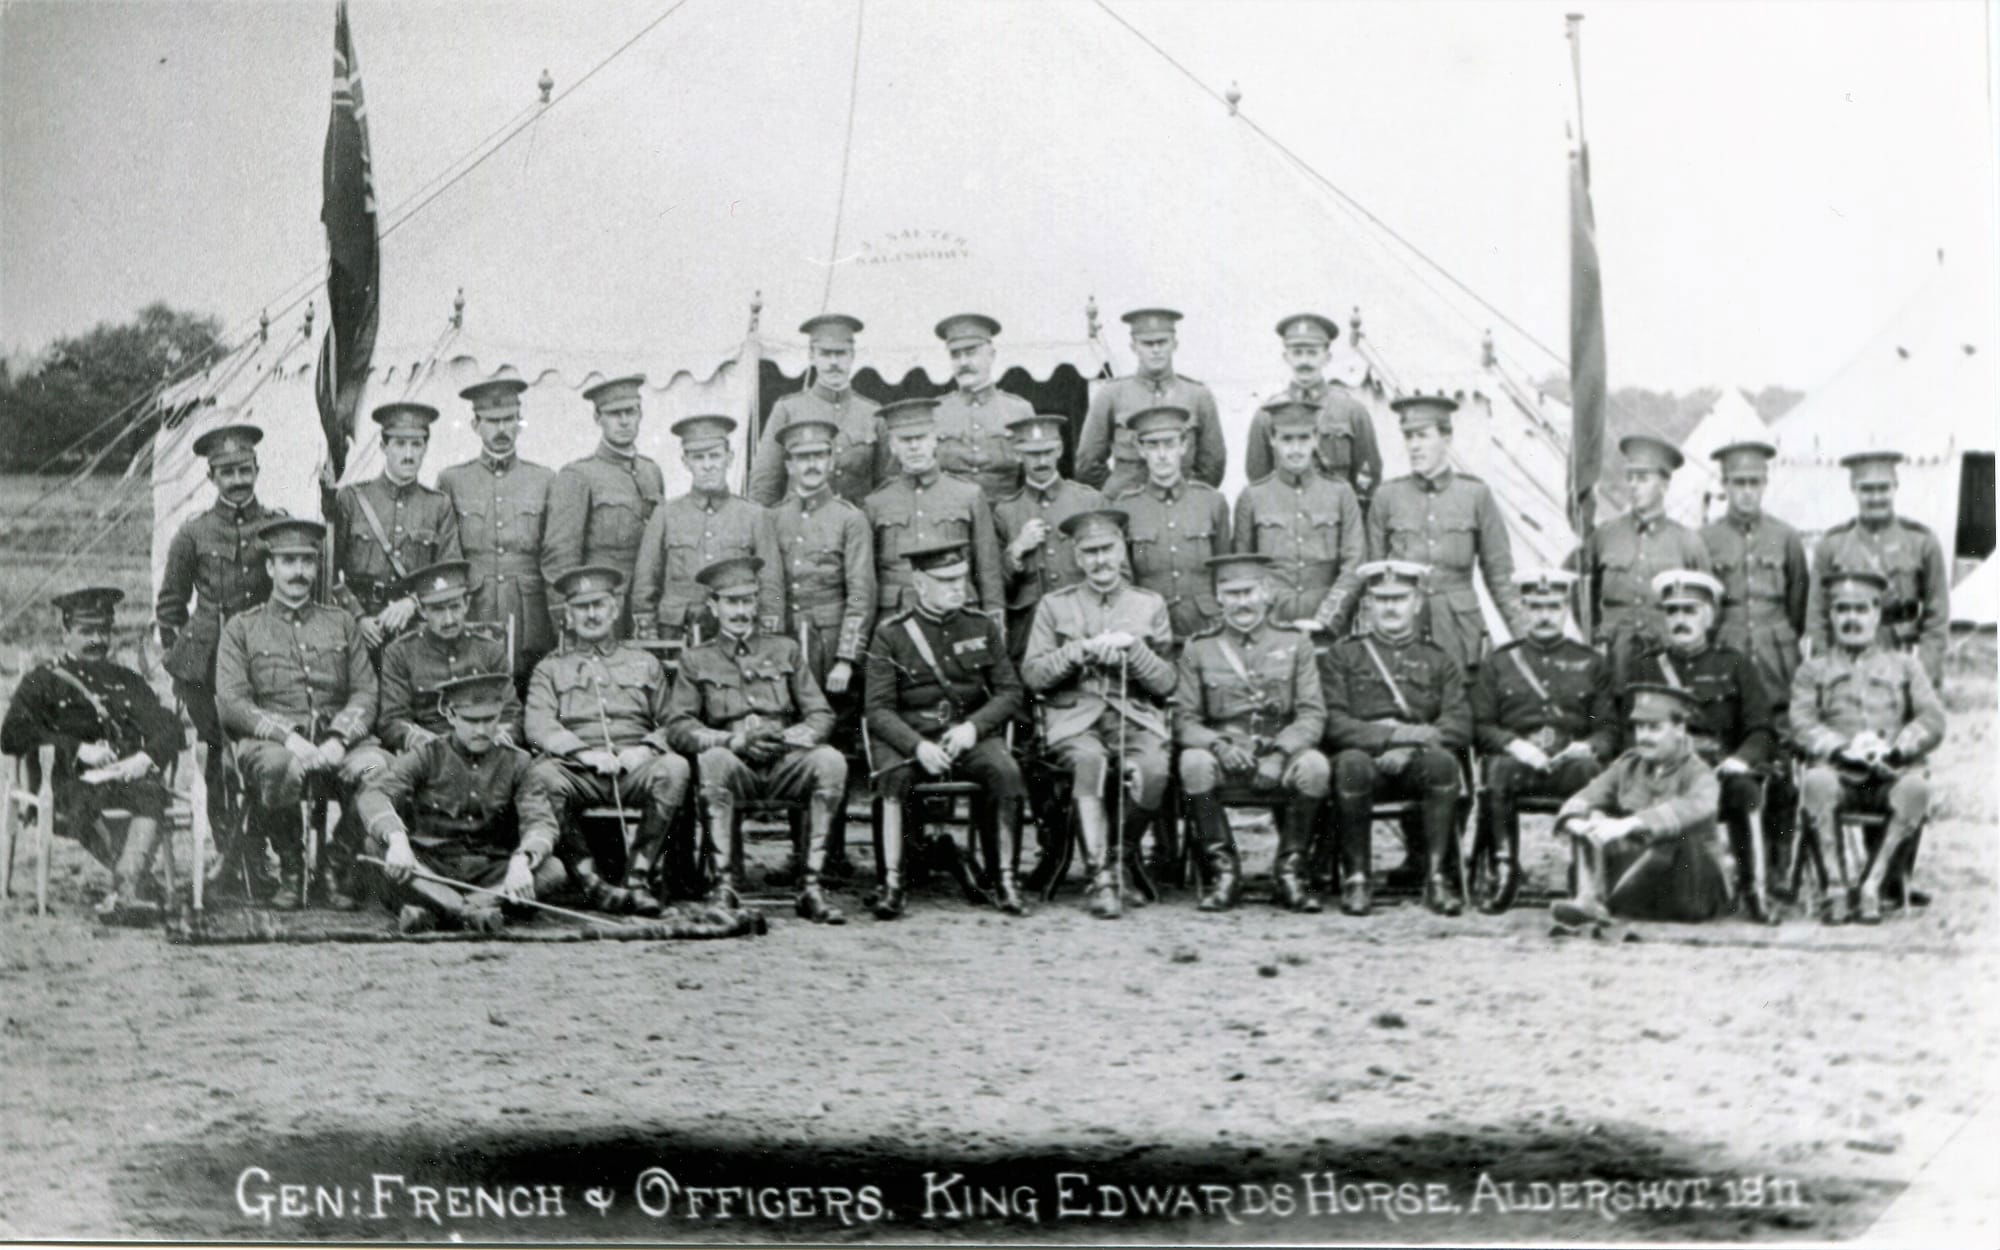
pixel 1250 703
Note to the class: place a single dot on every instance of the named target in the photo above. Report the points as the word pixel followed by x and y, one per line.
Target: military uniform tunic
pixel 1452 523
pixel 1079 700
pixel 1345 447
pixel 1259 691
pixel 1677 868
pixel 1836 696
pixel 1311 526
pixel 687 534
pixel 1618 563
pixel 740 685
pixel 585 698
pixel 1360 702
pixel 1107 456
pixel 1048 567
pixel 1765 583
pixel 917 511
pixel 217 561
pixel 1171 533
pixel 502 511
pixel 418 524
pixel 115 706
pixel 827 554
pixel 284 670
pixel 907 705
pixel 1575 701
pixel 1916 612
pixel 973 442
pixel 465 814
pixel 1732 715
pixel 598 509
pixel 414 666
pixel 860 452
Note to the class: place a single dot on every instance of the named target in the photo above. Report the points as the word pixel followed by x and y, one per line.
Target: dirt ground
pixel 844 1077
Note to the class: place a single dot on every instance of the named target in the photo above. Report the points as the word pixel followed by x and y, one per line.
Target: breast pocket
pixel 1457 544
pixel 1336 446
pixel 1321 540
pixel 1764 576
pixel 527 522
pixel 615 522
pixel 722 696
pixel 1277 537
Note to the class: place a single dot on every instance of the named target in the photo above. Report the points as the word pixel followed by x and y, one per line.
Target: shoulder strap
pixel 1395 691
pixel 1667 672
pixel 1235 660
pixel 923 647
pixel 1528 675
pixel 375 528
pixel 90 696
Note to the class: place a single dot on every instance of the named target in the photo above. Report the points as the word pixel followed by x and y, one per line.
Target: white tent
pixel 690 204
pixel 1976 598
pixel 1695 495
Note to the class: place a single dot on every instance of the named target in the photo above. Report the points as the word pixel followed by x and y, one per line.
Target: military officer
pixel 747 707
pixel 1176 524
pixel 1865 715
pixel 1642 833
pixel 1916 613
pixel 1621 558
pixel 860 457
pixel 1543 713
pixel 1761 563
pixel 1097 659
pixel 1397 714
pixel 941 691
pixel 296 691
pixel 1344 445
pixel 389 526
pixel 1248 713
pixel 922 507
pixel 973 418
pixel 1027 523
pixel 1308 523
pixel 458 806
pixel 1731 728
pixel 214 561
pixel 599 505
pixel 692 531
pixel 597 711
pixel 1437 516
pixel 416 666
pixel 112 740
pixel 1107 455
pixel 502 502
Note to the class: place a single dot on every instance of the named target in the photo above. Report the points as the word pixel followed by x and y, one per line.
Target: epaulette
pixel 896 617
pixel 1209 631
pixel 1848 524
pixel 1127 493
pixel 1259 481
pixel 1911 524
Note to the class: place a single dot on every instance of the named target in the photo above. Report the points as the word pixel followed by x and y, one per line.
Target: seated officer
pixel 1308 523
pixel 1249 715
pixel 597 709
pixel 1865 715
pixel 416 666
pixel 940 691
pixel 1732 725
pixel 1543 714
pixel 297 693
pixel 1643 831
pixel 1096 657
pixel 457 805
pixel 747 707
pixel 112 740
pixel 1397 711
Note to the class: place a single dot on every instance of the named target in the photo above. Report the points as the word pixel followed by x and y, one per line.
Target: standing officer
pixel 1544 714
pixel 1097 658
pixel 923 507
pixel 1249 714
pixel 1916 613
pixel 1865 715
pixel 112 740
pixel 215 561
pixel 295 689
pixel 502 504
pixel 1436 516
pixel 692 531
pixel 1621 558
pixel 941 691
pixel 416 666
pixel 1035 559
pixel 387 527
pixel 597 711
pixel 860 461
pixel 747 707
pixel 1397 713
pixel 1731 726
pixel 1761 563
pixel 1107 456
pixel 599 505
pixel 457 805
pixel 1175 524
pixel 1307 522
pixel 1344 444
pixel 973 419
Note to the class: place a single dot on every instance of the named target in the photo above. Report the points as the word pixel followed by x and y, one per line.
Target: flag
pixel 1586 348
pixel 353 252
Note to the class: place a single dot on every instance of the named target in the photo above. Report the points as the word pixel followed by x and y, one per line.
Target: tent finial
pixel 1487 357
pixel 1090 316
pixel 458 310
pixel 1234 96
pixel 263 325
pixel 307 329
pixel 1354 327
pixel 756 310
pixel 547 84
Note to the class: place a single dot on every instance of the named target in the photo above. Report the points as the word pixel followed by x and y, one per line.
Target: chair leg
pixel 1063 852
pixel 45 831
pixel 6 837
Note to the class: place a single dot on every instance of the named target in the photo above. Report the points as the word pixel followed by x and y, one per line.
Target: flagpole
pixel 1589 381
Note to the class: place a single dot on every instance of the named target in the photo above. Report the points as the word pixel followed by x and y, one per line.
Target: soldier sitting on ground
pixel 457 806
pixel 1643 831
pixel 416 666
pixel 112 740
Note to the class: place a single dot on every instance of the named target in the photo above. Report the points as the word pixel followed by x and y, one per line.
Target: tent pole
pixel 752 364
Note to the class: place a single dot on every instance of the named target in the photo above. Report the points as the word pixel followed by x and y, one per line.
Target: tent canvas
pixel 1976 598
pixel 1694 497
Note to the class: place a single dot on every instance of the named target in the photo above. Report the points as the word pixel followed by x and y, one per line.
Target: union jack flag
pixel 353 252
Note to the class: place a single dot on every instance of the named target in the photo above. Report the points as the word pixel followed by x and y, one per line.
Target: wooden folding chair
pixel 29 788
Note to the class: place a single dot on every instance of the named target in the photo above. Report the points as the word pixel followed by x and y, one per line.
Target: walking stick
pixel 309 834
pixel 424 874
pixel 617 794
pixel 1118 831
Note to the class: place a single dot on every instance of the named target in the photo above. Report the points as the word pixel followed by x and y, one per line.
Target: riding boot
pixel 1354 831
pixel 1218 849
pixel 291 892
pixel 1410 874
pixel 812 902
pixel 1440 815
pixel 889 901
pixel 129 878
pixel 647 852
pixel 721 850
pixel 1504 827
pixel 1132 835
pixel 1295 826
pixel 1007 861
pixel 1094 830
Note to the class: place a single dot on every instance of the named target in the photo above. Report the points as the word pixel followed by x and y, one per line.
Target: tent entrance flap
pixel 1974 540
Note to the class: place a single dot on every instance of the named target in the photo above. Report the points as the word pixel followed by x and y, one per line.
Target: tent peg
pixel 547 85
pixel 756 309
pixel 1233 97
pixel 458 310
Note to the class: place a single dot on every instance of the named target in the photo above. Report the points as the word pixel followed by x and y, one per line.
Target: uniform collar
pixel 809 502
pixel 708 500
pixel 1872 528
pixel 237 516
pixel 439 644
pixel 1855 657
pixel 458 749
pixel 396 490
pixel 1743 525
pixel 1161 383
pixel 1436 482
pixel 1397 643
pixel 1544 647
pixel 1248 638
pixel 599 649
pixel 936 618
pixel 976 395
pixel 605 451
pixel 1166 494
pixel 736 645
pixel 1689 657
pixel 289 612
pixel 1311 393
pixel 1047 491
pixel 1294 480
pixel 500 465
pixel 1103 599
pixel 1647 522
pixel 922 481
pixel 827 396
